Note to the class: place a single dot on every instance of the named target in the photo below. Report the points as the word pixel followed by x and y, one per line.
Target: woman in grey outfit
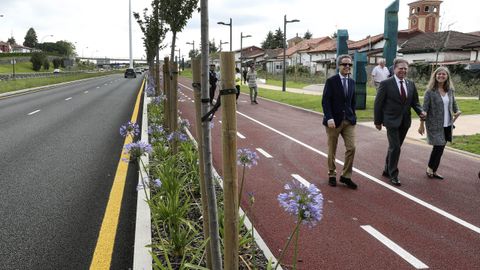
pixel 442 110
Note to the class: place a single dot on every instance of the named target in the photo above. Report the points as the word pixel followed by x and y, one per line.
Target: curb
pixel 142 258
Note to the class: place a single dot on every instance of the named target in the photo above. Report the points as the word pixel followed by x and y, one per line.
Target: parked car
pixel 130 73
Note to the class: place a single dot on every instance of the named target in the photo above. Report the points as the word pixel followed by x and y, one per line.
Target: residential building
pixel 5 47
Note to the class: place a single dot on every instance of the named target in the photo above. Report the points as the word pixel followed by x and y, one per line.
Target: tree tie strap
pixel 213 110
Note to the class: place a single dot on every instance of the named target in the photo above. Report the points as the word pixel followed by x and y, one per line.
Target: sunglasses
pixel 346 64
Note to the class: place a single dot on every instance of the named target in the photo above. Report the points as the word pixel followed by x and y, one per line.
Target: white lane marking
pixel 395 248
pixel 86 92
pixel 263 152
pixel 193 101
pixel 374 179
pixel 240 135
pixel 34 112
pixel 220 121
pixel 301 180
pixel 98 86
pixel 68 98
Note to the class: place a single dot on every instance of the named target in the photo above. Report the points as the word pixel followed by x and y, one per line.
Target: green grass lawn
pixel 21 67
pixel 467 143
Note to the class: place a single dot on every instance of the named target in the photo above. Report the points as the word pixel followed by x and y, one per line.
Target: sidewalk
pixel 465 124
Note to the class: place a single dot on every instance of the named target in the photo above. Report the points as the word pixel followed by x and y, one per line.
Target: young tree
pixel 268 43
pixel 46 64
pixel 11 41
pixel 31 38
pixel 307 35
pixel 212 48
pixel 278 39
pixel 37 60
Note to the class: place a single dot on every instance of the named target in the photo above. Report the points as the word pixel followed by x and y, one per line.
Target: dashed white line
pixel 301 180
pixel 263 152
pixel 240 135
pixel 68 98
pixel 34 112
pixel 395 248
pixel 86 92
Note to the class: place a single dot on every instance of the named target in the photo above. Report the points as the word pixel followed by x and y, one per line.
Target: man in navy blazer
pixel 339 118
pixel 395 97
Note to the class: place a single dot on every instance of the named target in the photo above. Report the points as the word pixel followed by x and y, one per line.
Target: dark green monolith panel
pixel 360 77
pixel 390 33
pixel 342 37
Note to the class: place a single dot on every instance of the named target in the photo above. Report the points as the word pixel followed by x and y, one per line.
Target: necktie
pixel 345 88
pixel 403 94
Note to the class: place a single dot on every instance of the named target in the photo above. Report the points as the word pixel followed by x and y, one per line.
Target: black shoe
pixel 348 182
pixel 255 102
pixel 332 181
pixel 437 176
pixel 385 174
pixel 395 181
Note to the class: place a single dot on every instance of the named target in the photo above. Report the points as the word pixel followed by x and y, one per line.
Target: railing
pixel 10 76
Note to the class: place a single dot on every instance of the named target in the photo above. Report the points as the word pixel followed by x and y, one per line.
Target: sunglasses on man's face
pixel 346 64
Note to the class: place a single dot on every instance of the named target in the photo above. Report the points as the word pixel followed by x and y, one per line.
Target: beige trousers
pixel 347 130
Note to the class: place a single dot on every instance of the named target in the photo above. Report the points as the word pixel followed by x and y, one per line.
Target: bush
pixel 57 62
pixel 46 64
pixel 37 60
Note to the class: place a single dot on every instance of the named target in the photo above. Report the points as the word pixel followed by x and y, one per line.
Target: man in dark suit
pixel 339 118
pixel 213 79
pixel 395 96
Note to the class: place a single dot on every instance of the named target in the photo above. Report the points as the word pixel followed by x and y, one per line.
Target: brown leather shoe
pixel 348 182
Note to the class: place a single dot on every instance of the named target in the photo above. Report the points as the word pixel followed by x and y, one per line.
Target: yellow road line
pixel 102 256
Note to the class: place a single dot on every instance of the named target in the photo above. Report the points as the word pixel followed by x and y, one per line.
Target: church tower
pixel 424 15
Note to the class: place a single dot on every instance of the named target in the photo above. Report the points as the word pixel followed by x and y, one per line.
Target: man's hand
pixel 423 115
pixel 379 127
pixel 331 123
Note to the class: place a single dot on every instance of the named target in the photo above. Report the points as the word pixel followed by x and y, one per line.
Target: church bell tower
pixel 424 15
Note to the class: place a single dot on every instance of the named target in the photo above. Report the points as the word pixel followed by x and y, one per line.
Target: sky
pixel 99 28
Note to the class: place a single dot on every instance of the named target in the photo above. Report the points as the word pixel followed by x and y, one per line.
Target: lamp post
pixel 230 25
pixel 45 37
pixel 285 49
pixel 241 48
pixel 193 46
pixel 221 43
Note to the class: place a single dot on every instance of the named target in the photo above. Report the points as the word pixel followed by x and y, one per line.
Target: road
pixel 423 224
pixel 59 151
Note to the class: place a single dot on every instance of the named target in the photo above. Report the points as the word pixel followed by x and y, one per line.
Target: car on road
pixel 138 70
pixel 130 73
pixel 56 71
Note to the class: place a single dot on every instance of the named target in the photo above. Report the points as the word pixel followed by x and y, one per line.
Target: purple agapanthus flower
pixel 184 123
pixel 150 90
pixel 137 149
pixel 130 128
pixel 304 202
pixel 155 129
pixel 247 157
pixel 177 135
pixel 157 183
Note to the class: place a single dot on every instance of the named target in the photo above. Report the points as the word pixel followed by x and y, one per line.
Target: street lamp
pixel 230 25
pixel 221 43
pixel 193 46
pixel 241 48
pixel 46 37
pixel 285 48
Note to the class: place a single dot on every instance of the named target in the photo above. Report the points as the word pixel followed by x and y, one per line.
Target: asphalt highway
pixel 424 224
pixel 59 150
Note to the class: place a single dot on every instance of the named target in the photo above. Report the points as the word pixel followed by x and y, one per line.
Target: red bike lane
pixel 345 238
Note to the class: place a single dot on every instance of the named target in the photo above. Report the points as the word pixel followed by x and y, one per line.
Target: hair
pixel 381 60
pixel 341 57
pixel 433 83
pixel 397 61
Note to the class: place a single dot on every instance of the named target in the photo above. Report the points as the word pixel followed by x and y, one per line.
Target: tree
pixel 46 64
pixel 57 62
pixel 37 59
pixel 193 54
pixel 307 35
pixel 31 38
pixel 212 48
pixel 63 48
pixel 278 39
pixel 268 43
pixel 11 41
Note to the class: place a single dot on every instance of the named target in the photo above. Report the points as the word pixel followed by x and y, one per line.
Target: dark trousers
pixel 435 157
pixel 395 137
pixel 212 93
pixel 238 91
pixel 437 150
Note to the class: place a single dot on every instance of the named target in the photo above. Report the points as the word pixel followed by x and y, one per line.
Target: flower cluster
pixel 184 124
pixel 177 135
pixel 137 149
pixel 129 128
pixel 304 202
pixel 157 183
pixel 247 157
pixel 155 129
pixel 150 90
pixel 158 100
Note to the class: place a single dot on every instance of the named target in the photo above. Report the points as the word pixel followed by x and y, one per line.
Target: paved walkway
pixel 465 124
